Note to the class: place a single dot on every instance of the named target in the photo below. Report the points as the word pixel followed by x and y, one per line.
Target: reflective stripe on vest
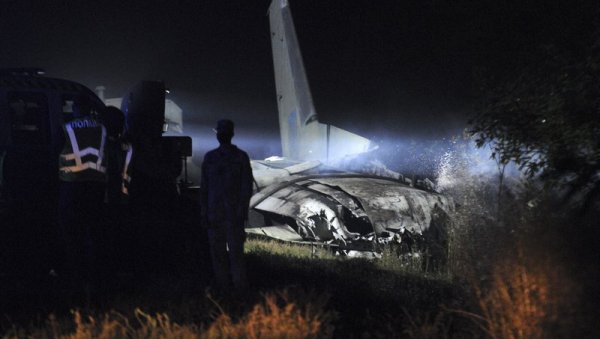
pixel 125 174
pixel 78 154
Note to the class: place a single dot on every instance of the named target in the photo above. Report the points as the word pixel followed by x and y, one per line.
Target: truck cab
pixel 33 109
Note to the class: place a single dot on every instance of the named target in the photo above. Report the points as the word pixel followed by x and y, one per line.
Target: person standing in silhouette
pixel 225 191
pixel 116 236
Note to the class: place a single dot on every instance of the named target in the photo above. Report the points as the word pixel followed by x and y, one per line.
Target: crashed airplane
pixel 306 200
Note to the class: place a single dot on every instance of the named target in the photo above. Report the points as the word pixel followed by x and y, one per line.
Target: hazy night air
pixel 366 71
pixel 391 71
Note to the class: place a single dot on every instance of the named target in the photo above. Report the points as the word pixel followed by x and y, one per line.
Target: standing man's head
pixel 224 131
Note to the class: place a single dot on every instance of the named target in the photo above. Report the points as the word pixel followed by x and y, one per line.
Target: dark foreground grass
pixel 526 273
pixel 368 298
pixel 343 297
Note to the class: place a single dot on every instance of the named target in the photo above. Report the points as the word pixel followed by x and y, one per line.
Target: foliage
pixel 518 263
pixel 545 116
pixel 517 302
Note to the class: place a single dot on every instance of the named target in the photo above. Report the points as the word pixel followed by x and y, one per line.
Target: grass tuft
pixel 276 317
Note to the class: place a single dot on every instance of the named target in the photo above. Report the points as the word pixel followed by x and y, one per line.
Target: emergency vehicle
pixel 33 109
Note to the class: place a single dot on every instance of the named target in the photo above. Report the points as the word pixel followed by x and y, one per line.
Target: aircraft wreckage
pixel 307 200
pixel 310 202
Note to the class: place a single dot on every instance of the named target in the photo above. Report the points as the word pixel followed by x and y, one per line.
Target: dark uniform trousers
pixel 80 213
pixel 226 189
pixel 227 253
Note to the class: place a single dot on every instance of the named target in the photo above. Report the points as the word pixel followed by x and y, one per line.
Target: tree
pixel 544 115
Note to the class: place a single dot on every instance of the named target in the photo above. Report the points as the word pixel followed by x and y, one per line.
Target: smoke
pixel 465 162
pixel 419 157
pixel 438 159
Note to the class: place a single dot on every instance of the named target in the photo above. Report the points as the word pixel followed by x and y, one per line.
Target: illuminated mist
pixel 429 157
pixel 257 143
pixel 425 157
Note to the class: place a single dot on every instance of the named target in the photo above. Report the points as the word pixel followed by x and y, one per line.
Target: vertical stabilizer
pixel 302 136
pixel 297 114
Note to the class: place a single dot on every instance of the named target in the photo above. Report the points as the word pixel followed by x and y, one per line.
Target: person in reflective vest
pixel 82 174
pixel 82 157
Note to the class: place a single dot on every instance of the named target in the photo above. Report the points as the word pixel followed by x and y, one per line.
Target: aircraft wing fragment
pixel 348 207
pixel 284 232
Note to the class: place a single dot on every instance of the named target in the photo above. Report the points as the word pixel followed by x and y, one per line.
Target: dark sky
pixel 387 67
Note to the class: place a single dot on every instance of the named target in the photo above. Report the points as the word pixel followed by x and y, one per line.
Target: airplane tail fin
pixel 303 137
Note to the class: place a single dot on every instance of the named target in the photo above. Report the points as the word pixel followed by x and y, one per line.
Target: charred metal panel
pixel 346 207
pixel 340 196
pixel 316 215
pixel 391 206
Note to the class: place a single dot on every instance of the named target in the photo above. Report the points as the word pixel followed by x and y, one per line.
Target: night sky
pixel 383 69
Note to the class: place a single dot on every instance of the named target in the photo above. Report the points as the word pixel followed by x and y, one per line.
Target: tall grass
pixel 390 260
pixel 260 245
pixel 518 302
pixel 275 317
pixel 272 320
pixel 366 298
